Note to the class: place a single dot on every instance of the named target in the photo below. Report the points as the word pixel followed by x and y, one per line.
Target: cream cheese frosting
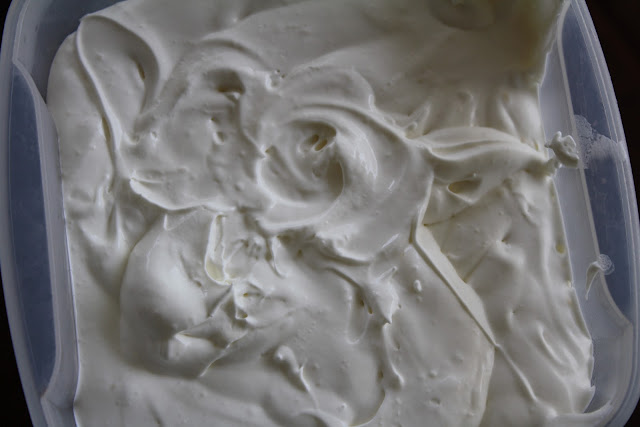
pixel 302 213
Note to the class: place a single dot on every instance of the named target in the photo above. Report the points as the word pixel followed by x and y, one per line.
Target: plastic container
pixel 598 203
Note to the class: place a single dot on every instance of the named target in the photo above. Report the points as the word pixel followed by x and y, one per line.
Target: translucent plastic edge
pixel 56 401
pixel 596 415
pixel 7 258
pixel 586 26
pixel 629 201
pixel 61 388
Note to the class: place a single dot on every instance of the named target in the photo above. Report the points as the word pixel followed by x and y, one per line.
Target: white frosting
pixel 565 150
pixel 316 213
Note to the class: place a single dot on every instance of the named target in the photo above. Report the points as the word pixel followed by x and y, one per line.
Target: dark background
pixel 616 22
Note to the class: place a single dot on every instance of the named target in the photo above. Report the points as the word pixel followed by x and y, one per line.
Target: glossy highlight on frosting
pixel 330 213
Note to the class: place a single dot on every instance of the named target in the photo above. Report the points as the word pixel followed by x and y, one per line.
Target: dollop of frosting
pixel 315 213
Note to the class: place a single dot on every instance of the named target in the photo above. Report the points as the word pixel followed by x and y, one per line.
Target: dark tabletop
pixel 619 33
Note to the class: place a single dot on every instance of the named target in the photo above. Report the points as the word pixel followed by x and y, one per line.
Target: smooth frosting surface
pixel 309 213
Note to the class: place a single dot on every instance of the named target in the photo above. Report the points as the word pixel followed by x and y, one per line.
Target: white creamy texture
pixel 328 213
